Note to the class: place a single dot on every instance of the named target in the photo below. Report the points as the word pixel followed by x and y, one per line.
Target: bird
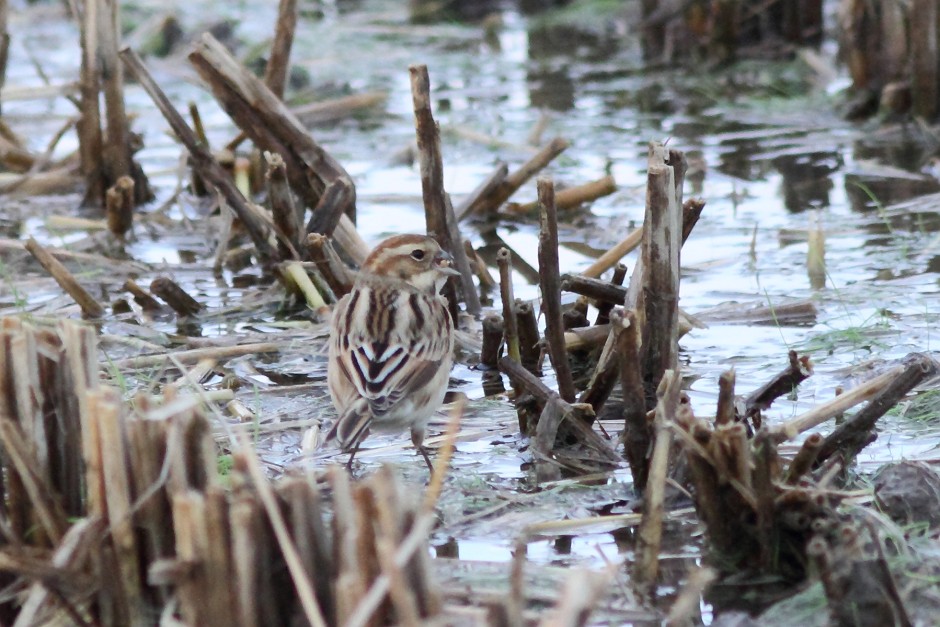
pixel 391 344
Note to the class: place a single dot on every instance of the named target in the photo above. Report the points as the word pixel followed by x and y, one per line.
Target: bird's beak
pixel 444 263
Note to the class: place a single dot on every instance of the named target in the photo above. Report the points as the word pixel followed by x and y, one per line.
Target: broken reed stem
pixel 326 216
pixel 805 459
pixel 571 197
pixel 287 219
pixel 725 413
pixel 608 369
pixel 487 282
pixel 551 288
pixel 266 120
pixel 142 297
pixel 379 588
pixel 195 355
pixel 501 192
pixel 575 317
pixel 586 338
pixel 649 533
pixel 764 461
pixel 203 160
pixel 660 267
pixel 603 291
pixel 331 267
pixel 784 382
pixel 90 307
pixel 175 296
pixel 854 434
pixel 613 256
pixel 88 128
pixel 116 157
pixel 604 309
pixel 821 413
pixel 299 576
pixel 530 349
pixel 297 275
pixel 636 429
pixel 18 448
pixel 119 206
pixel 278 67
pixel 572 415
pixel 432 173
pixel 462 262
pixel 492 341
pixel 504 261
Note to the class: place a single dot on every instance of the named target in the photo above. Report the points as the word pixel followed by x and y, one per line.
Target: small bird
pixel 391 343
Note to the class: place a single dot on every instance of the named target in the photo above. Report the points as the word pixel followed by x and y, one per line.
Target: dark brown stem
pixel 765 458
pixel 142 297
pixel 462 262
pixel 608 370
pixel 501 193
pixel 116 156
pixel 603 308
pixel 119 206
pixel 197 183
pixel 267 121
pixel 90 136
pixel 529 340
pixel 336 198
pixel 203 159
pixel 597 289
pixel 522 379
pixel 725 413
pixel 636 428
pixel 660 255
pixel 492 341
pixel 432 172
pixel 805 459
pixel 287 220
pixel 784 382
pixel 90 307
pixel 856 432
pixel 479 266
pixel 175 296
pixel 691 212
pixel 504 261
pixel 575 317
pixel 551 288
pixel 330 266
pixel 278 67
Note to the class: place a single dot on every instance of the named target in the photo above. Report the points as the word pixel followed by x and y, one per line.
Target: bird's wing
pixel 400 349
pixel 392 346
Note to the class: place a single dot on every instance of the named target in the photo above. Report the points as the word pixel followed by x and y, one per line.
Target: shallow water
pixel 769 166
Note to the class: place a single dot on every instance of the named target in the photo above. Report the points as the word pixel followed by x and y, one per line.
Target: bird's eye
pixel 417 254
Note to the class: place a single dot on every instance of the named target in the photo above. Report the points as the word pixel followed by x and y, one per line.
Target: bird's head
pixel 417 260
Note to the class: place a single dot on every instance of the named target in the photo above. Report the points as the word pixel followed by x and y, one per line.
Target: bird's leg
pixel 417 438
pixel 427 459
pixel 352 456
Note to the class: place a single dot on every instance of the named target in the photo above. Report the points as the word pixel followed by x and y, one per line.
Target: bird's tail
pixel 352 426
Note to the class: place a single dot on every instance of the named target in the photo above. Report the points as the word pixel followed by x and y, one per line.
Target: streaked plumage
pixel 391 344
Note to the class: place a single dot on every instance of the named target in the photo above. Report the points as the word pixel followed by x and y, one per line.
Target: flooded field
pixel 769 152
